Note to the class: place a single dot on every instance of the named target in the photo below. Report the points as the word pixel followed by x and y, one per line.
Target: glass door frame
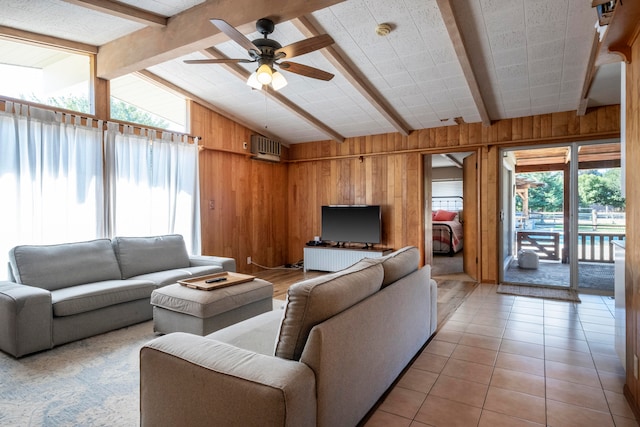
pixel 572 243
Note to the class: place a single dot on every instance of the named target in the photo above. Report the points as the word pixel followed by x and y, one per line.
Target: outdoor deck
pixel 593 277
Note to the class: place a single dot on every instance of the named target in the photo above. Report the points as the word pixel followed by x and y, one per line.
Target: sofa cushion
pixel 92 296
pixel 399 264
pixel 313 301
pixel 54 267
pixel 141 255
pixel 169 277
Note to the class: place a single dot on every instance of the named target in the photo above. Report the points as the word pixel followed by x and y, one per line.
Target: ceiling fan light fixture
pixel 264 74
pixel 278 81
pixel 253 81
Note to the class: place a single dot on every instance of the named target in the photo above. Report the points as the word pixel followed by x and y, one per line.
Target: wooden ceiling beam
pixel 310 28
pixel 243 74
pixel 589 75
pixel 190 31
pixel 122 10
pixel 49 41
pixel 449 18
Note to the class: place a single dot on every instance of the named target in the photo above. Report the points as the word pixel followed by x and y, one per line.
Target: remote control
pixel 219 279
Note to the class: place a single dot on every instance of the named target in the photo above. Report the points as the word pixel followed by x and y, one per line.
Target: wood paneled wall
pixel 632 260
pixel 243 201
pixel 386 170
pixel 270 210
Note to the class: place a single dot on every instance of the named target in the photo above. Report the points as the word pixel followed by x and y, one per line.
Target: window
pixel 46 76
pixel 135 99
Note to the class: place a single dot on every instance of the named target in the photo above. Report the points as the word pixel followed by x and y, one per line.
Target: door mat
pixel 539 292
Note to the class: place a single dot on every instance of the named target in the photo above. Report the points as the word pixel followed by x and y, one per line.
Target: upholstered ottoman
pixel 177 308
pixel 527 259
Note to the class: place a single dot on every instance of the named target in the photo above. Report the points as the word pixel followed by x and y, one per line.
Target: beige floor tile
pixel 565 415
pixel 430 362
pixel 520 363
pixel 574 334
pixel 516 335
pixel 602 348
pixel 439 412
pixel 403 402
pixel 586 321
pixel 385 419
pixel 569 357
pixel 527 310
pixel 518 381
pixel 624 422
pixel 449 336
pixel 574 374
pixel 618 404
pixel 458 390
pixel 489 321
pixel 474 354
pixel 537 328
pixel 597 327
pixel 577 394
pixel 566 343
pixel 513 403
pixel 418 380
pixel 563 323
pixel 522 348
pixel 520 317
pixel 452 325
pixel 490 331
pixel 497 313
pixel 611 381
pixel 608 363
pixel 441 348
pixel 495 419
pixel 469 371
pixel 481 341
pixel 599 337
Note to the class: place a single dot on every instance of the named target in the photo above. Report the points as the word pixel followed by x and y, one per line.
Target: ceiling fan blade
pixel 305 70
pixel 305 46
pixel 217 61
pixel 234 34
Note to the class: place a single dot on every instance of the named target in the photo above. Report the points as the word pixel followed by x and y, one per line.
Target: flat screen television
pixel 352 224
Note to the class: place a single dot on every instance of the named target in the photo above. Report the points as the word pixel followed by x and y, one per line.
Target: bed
pixel 447 225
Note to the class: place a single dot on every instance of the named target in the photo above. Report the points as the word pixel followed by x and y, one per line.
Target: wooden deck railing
pixel 545 243
pixel 592 247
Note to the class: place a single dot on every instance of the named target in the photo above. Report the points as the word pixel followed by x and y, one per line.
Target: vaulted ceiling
pixel 444 61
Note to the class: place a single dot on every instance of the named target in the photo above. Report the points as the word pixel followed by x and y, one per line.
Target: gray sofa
pixel 324 359
pixel 62 293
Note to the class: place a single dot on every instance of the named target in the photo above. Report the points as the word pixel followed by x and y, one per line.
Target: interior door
pixel 470 215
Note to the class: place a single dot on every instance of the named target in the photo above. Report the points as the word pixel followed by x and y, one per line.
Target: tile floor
pixel 503 360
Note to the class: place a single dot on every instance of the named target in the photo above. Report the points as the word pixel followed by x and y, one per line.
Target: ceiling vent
pixel 265 148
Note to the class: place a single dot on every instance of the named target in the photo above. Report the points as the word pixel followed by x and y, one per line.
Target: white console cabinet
pixel 325 258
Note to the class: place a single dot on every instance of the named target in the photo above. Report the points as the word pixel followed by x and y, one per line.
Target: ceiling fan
pixel 268 53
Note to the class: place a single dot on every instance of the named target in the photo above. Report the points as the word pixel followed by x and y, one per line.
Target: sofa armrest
pixel 191 380
pixel 227 264
pixel 26 318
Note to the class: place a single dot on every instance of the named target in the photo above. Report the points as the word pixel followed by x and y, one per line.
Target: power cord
pixel 296 266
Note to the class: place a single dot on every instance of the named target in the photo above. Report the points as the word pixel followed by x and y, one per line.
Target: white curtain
pixel 51 179
pixel 153 185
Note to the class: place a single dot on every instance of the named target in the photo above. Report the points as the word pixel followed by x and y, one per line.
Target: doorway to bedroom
pixel 448 189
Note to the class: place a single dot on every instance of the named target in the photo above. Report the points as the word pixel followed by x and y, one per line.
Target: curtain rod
pixel 85 117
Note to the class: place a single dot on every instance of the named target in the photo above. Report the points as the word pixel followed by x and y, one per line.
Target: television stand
pixel 338 258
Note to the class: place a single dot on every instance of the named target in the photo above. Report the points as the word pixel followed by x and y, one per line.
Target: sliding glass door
pixel 560 210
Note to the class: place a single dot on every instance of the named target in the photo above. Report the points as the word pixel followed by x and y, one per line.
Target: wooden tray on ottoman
pixel 221 280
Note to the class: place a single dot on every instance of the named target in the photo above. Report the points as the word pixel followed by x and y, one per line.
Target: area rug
pixel 91 382
pixel 539 292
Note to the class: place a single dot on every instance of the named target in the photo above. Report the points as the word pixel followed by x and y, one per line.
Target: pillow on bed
pixel 442 215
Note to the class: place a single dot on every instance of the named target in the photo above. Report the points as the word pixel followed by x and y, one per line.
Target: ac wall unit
pixel 265 148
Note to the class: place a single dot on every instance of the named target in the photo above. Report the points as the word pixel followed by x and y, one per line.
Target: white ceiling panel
pixel 527 56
